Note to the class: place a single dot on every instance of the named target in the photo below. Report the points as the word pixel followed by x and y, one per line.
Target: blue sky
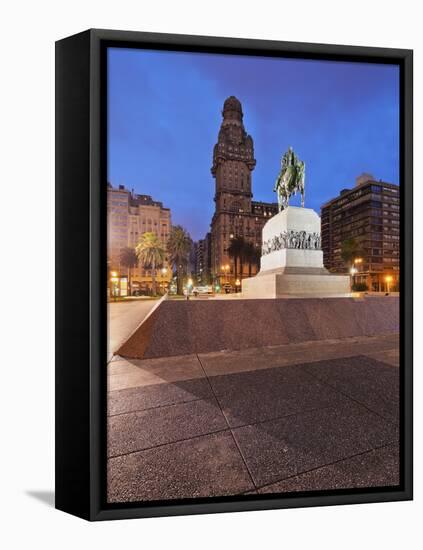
pixel 164 115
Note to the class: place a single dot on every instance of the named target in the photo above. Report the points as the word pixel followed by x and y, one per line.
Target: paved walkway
pixel 123 319
pixel 295 417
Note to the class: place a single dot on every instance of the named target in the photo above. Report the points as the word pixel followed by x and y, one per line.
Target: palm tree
pixel 129 259
pixel 257 258
pixel 235 251
pixel 179 246
pixel 252 255
pixel 150 253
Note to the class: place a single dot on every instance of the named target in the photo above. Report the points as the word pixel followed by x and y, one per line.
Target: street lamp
pixel 388 280
pixel 164 284
pixel 353 271
pixel 114 279
pixel 189 286
pixel 225 269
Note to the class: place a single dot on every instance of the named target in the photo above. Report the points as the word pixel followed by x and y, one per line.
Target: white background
pixel 28 32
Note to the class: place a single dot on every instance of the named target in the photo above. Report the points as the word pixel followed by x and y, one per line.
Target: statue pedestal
pixel 292 260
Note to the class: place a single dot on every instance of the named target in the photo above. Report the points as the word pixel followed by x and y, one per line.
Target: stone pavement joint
pixel 227 424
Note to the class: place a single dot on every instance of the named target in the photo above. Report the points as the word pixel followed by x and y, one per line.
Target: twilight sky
pixel 164 115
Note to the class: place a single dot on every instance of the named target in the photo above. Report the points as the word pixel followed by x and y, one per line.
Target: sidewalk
pixel 123 319
pixel 294 417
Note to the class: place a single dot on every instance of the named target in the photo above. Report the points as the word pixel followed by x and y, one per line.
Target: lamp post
pixel 164 273
pixel 353 271
pixel 358 261
pixel 225 269
pixel 357 264
pixel 114 279
pixel 189 286
pixel 388 280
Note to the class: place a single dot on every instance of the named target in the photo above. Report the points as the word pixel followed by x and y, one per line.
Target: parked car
pixel 202 290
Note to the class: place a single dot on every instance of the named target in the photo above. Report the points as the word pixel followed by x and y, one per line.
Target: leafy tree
pixel 179 247
pixel 129 259
pixel 150 253
pixel 351 249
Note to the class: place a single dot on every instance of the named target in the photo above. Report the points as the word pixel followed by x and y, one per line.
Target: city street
pixel 123 319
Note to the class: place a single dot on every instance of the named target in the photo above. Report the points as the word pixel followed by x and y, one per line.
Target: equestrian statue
pixel 290 179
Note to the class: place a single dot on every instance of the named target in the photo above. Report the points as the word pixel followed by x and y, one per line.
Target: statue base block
pixel 296 282
pixel 292 260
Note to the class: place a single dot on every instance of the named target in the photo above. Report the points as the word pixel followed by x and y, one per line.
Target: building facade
pixel 192 261
pixel 236 214
pixel 203 260
pixel 370 214
pixel 129 215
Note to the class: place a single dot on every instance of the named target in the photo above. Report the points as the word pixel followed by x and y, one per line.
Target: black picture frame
pixel 81 130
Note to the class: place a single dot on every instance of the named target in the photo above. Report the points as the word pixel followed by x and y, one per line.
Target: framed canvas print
pixel 234 274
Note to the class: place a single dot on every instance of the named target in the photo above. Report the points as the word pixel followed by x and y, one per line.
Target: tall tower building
pixel 236 214
pixel 233 160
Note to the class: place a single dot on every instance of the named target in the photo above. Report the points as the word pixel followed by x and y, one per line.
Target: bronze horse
pixel 290 179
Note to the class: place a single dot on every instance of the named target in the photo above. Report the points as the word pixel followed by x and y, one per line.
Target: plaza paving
pixel 301 416
pixel 123 318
